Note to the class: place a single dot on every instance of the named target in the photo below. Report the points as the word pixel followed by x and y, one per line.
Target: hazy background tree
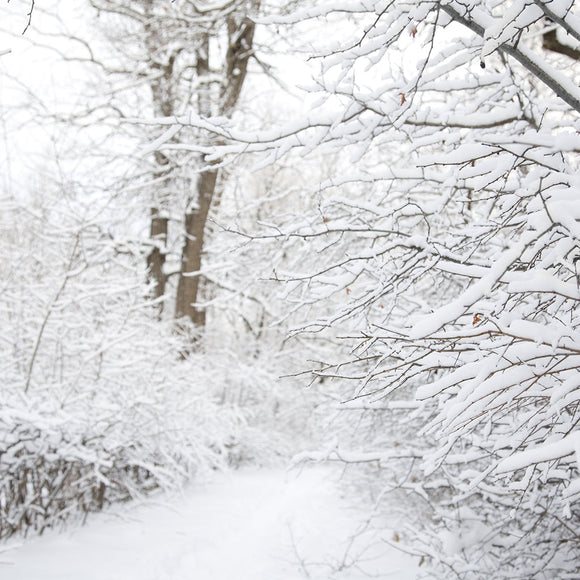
pixel 190 57
pixel 99 404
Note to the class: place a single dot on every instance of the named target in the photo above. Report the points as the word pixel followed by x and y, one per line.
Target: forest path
pixel 245 525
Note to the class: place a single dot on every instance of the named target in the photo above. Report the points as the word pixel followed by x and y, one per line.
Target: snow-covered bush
pixel 98 405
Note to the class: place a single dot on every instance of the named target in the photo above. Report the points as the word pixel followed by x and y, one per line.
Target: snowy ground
pixel 245 525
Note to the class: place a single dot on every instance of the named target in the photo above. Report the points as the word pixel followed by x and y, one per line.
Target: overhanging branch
pixel 566 90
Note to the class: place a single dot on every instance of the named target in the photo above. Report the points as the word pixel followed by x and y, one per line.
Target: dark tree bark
pixel 158 232
pixel 551 42
pixel 190 278
pixel 175 67
pixel 240 49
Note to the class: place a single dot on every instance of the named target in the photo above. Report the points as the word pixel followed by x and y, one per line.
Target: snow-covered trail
pixel 244 525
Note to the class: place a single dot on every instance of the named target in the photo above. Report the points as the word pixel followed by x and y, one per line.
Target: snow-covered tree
pixel 136 61
pixel 448 241
pixel 191 56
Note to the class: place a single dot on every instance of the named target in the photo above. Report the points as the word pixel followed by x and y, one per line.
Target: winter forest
pixel 293 233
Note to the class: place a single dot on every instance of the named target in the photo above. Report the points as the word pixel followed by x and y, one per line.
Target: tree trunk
pixel 158 231
pixel 156 258
pixel 189 279
pixel 240 47
pixel 163 105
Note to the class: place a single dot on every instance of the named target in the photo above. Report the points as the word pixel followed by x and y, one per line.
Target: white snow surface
pixel 251 524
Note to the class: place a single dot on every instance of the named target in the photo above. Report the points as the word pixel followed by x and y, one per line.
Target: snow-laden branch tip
pixel 566 446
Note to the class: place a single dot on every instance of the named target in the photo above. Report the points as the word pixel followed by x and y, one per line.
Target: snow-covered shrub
pixel 97 403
